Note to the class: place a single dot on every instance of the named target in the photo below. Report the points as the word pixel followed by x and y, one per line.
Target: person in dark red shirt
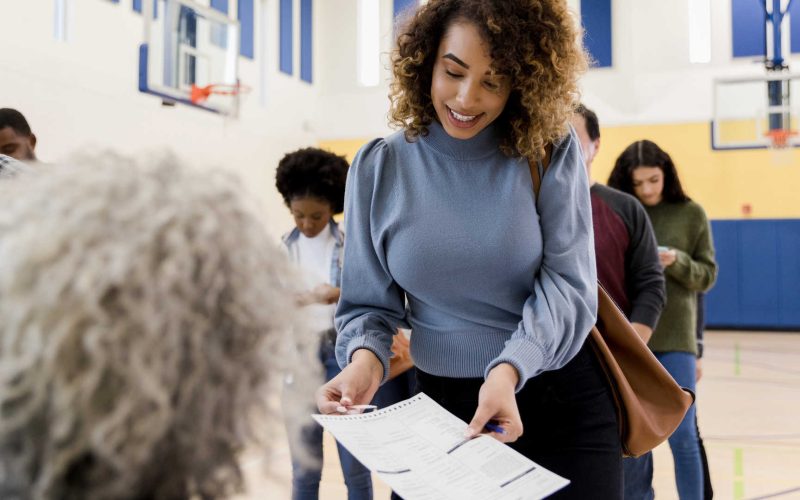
pixel 624 242
pixel 627 267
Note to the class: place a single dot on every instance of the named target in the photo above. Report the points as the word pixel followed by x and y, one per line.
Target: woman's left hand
pixel 667 257
pixel 497 402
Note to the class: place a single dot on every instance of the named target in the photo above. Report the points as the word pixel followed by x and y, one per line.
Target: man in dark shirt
pixel 628 268
pixel 624 242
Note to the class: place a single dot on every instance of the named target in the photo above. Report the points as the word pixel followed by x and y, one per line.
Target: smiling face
pixel 311 215
pixel 648 185
pixel 466 92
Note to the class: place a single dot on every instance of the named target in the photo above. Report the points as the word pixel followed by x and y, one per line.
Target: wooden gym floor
pixel 748 410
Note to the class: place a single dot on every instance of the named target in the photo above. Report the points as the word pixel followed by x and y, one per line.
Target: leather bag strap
pixel 538 168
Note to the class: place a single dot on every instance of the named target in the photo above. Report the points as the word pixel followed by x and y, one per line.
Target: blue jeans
pixel 638 474
pixel 305 478
pixel 683 442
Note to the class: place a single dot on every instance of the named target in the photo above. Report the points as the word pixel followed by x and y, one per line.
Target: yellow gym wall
pixel 721 181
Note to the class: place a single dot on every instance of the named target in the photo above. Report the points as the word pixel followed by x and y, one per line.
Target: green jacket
pixel 683 227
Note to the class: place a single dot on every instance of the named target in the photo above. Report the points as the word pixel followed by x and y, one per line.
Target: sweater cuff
pixel 371 343
pixel 681 264
pixel 526 356
pixel 646 315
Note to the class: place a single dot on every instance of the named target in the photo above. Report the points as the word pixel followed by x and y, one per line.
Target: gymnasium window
pixel 62 9
pixel 699 31
pixel 369 42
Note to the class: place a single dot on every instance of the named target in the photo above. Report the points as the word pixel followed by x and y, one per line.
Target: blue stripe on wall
pixel 794 22
pixel 748 29
pixel 246 15
pixel 220 5
pixel 286 37
pixel 137 6
pixel 306 40
pixel 596 18
pixel 402 5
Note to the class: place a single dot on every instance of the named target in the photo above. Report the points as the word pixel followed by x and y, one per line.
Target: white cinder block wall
pixel 83 92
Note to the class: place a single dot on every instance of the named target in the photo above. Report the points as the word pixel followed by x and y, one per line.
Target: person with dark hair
pixel 627 264
pixel 625 245
pixel 500 287
pixel 312 184
pixel 16 138
pixel 687 256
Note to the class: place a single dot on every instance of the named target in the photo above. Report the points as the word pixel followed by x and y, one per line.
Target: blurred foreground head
pixel 142 311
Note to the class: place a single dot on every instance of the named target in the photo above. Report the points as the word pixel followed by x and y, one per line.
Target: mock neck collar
pixel 486 143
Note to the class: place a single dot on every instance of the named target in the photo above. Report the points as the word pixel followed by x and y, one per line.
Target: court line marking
pixel 777 494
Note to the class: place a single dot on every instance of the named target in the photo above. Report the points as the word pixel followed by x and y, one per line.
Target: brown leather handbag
pixel 650 404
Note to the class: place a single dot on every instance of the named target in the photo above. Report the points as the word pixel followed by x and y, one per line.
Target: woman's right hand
pixel 355 385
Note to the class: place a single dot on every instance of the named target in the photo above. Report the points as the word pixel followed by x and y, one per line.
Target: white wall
pixel 652 80
pixel 83 92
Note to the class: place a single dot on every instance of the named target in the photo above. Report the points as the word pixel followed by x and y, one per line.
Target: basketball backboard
pixel 187 46
pixel 748 111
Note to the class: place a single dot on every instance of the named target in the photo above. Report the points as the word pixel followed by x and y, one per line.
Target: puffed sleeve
pixel 562 309
pixel 371 304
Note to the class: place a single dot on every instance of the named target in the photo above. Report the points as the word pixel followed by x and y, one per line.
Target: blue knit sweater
pixel 451 227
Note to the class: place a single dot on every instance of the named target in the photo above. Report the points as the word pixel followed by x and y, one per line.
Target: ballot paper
pixel 418 448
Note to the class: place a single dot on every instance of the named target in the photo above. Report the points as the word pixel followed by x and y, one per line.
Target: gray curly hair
pixel 143 309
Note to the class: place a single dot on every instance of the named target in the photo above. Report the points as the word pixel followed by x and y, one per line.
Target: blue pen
pixel 494 428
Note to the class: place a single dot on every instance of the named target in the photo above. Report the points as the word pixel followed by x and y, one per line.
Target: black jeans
pixel 569 423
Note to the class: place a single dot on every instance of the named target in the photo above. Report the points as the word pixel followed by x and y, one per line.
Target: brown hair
pixel 534 42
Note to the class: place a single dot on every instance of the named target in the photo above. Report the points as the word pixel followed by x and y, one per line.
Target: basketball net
pixel 781 151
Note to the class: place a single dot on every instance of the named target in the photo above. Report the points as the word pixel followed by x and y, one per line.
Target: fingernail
pixel 469 432
pixel 346 401
pixel 341 409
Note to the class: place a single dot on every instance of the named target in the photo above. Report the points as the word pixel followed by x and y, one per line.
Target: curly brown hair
pixel 535 43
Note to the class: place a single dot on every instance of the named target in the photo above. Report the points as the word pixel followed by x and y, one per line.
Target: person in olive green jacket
pixel 686 252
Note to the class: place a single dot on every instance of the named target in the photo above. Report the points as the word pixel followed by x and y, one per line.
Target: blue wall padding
pixel 286 51
pixel 748 29
pixel 306 40
pixel 596 19
pixel 759 275
pixel 246 15
pixel 789 273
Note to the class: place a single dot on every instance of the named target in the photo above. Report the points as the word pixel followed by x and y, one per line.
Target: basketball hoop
pixel 199 95
pixel 779 137
pixel 780 152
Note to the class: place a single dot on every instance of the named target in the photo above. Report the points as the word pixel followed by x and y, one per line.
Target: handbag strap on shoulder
pixel 538 168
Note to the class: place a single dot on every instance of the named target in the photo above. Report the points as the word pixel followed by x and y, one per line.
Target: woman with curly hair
pixel 312 184
pixel 143 314
pixel 686 253
pixel 501 287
